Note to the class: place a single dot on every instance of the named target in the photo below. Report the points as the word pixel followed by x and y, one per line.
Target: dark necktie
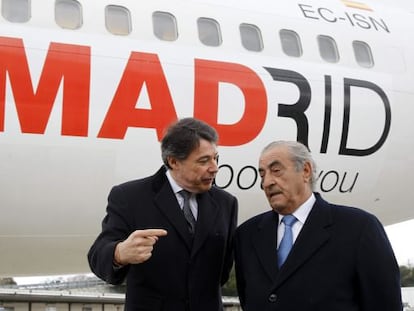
pixel 287 240
pixel 188 214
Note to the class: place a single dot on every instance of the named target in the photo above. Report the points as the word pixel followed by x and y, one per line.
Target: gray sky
pixel 400 236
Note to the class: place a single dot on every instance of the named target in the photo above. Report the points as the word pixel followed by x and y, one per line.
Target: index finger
pixel 151 232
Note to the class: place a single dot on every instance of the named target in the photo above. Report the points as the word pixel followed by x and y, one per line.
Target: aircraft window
pixel 165 26
pixel 251 37
pixel 68 14
pixel 118 20
pixel 290 41
pixel 16 11
pixel 328 49
pixel 363 54
pixel 209 31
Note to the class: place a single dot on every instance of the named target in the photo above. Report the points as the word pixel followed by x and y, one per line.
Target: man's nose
pixel 267 181
pixel 213 166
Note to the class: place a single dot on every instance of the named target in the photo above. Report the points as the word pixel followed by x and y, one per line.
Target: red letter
pixel 68 62
pixel 141 68
pixel 208 75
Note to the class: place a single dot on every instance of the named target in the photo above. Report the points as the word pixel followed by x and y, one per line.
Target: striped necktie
pixel 188 214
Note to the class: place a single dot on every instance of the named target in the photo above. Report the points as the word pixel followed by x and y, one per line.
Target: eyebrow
pixel 207 156
pixel 272 164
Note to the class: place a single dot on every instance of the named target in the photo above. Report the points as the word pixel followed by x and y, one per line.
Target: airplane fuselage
pixel 82 110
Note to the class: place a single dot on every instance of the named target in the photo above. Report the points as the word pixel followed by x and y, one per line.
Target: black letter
pixel 361 22
pixel 304 10
pixel 382 24
pixel 327 117
pixel 343 149
pixel 296 111
pixel 231 176
pixel 320 10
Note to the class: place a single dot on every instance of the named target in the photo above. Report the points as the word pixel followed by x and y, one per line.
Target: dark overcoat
pixel 180 275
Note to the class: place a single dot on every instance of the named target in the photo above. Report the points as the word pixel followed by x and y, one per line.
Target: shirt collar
pixel 303 211
pixel 175 187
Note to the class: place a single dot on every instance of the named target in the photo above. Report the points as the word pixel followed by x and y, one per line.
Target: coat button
pixel 272 298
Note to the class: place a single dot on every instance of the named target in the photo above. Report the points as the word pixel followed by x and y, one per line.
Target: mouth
pixel 273 194
pixel 208 180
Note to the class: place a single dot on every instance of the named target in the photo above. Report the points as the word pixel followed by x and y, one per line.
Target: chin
pixel 207 187
pixel 276 205
pixel 204 188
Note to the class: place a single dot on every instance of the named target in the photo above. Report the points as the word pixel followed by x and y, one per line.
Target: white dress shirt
pixel 176 188
pixel 301 214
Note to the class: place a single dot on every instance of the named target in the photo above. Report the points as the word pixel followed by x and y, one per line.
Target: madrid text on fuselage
pixel 69 65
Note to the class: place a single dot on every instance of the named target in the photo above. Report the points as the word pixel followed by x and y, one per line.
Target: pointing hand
pixel 138 247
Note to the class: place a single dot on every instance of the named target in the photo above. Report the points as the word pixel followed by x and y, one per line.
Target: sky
pixel 399 235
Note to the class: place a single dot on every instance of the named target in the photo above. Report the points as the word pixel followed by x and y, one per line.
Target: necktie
pixel 287 240
pixel 188 214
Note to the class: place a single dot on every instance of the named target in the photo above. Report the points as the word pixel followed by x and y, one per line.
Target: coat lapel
pixel 166 201
pixel 264 241
pixel 207 213
pixel 314 234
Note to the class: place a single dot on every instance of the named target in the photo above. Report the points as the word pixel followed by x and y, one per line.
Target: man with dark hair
pixel 308 254
pixel 171 234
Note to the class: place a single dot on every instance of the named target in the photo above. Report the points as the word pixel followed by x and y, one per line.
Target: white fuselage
pixel 82 110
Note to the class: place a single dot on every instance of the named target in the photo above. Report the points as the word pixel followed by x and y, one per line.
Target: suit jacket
pixel 180 274
pixel 341 261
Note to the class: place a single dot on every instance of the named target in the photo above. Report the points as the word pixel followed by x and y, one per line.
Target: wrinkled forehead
pixel 274 155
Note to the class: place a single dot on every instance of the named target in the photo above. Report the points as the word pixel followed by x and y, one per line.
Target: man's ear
pixel 172 162
pixel 307 171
